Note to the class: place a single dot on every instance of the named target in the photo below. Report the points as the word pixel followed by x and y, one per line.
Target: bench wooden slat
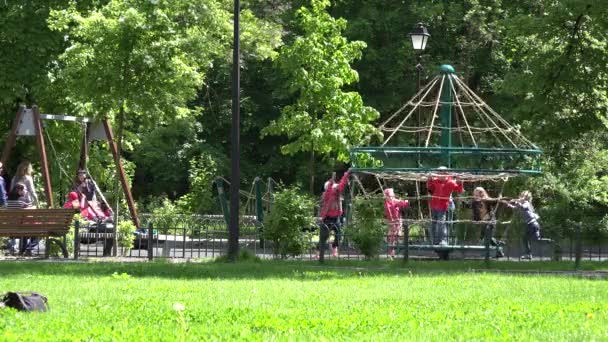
pixel 33 219
pixel 35 222
pixel 18 234
pixel 37 227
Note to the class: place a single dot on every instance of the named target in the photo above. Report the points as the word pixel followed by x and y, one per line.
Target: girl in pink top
pixel 392 206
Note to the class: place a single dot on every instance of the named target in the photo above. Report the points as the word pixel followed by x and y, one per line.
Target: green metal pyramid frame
pixel 455 129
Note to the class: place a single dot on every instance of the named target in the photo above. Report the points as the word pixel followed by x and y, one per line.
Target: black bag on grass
pixel 25 301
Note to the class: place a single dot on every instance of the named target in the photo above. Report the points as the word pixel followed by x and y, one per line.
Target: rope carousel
pixel 445 131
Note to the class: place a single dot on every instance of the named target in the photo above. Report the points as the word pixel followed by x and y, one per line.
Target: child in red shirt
pixel 392 206
pixel 331 210
pixel 441 189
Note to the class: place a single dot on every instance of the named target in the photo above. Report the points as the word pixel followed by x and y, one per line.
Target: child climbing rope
pixel 441 188
pixel 392 206
pixel 484 210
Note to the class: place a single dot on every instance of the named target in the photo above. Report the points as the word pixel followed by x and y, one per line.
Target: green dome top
pixel 447 69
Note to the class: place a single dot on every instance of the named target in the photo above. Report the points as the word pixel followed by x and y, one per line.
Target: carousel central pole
pixel 446 114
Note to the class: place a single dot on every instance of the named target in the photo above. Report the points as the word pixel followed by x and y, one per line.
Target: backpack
pixel 25 301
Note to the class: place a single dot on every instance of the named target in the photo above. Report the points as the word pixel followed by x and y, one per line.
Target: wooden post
pixel 12 137
pixel 42 150
pixel 121 173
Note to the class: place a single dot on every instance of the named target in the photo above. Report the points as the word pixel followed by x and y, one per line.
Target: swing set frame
pixel 24 113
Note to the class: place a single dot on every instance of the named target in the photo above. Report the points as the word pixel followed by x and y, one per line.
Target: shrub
pixel 165 216
pixel 292 213
pixel 55 250
pixel 368 228
pixel 125 237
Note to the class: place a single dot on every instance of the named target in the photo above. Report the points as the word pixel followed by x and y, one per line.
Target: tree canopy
pixel 317 76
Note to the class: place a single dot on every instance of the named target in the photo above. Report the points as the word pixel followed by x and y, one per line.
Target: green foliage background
pixel 314 78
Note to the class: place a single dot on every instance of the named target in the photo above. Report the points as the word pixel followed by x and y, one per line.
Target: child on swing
pixel 392 206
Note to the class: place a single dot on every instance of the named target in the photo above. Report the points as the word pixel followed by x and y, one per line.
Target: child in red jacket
pixel 441 188
pixel 392 206
pixel 331 210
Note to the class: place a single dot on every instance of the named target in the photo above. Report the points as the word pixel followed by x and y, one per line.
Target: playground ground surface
pixel 302 300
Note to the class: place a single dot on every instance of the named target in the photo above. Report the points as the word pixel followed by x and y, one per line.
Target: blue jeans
pixel 329 224
pixel 439 228
pixel 532 233
pixel 27 245
pixel 10 245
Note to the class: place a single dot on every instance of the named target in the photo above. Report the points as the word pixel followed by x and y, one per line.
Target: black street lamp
pixel 233 227
pixel 419 36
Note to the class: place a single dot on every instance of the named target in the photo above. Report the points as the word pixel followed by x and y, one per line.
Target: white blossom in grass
pixel 179 307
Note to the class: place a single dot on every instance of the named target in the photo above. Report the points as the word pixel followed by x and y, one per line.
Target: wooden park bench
pixel 52 224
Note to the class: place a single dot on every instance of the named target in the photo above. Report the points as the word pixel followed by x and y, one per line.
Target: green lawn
pixel 304 301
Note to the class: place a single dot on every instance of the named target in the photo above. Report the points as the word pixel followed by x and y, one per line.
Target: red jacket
pixel 441 190
pixel 392 207
pixel 332 204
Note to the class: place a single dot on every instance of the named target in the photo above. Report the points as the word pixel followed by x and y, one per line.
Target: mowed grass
pixel 303 301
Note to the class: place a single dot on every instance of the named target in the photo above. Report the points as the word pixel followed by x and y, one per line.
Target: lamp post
pixel 233 227
pixel 419 36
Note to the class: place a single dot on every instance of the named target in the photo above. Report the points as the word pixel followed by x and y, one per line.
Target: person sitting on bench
pixel 24 176
pixel 18 199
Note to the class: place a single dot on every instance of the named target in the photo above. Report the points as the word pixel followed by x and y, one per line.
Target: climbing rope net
pixel 445 129
pixel 447 124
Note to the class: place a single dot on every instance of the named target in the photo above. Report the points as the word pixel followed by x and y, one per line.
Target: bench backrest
pixel 35 222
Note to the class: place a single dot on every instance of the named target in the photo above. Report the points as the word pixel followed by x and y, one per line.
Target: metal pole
pixel 418 70
pixel 579 247
pixel 150 241
pixel 446 113
pixel 233 237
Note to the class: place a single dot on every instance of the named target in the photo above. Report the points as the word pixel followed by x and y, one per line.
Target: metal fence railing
pixel 194 237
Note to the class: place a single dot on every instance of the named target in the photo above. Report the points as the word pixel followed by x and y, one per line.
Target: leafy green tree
pixel 557 73
pixel 27 49
pixel 324 118
pixel 148 58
